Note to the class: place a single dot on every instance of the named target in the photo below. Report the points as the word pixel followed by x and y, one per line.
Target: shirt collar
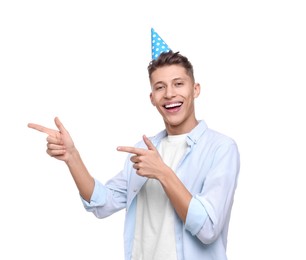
pixel 192 137
pixel 195 134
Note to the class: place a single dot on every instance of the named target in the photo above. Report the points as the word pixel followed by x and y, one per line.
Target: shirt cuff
pixel 98 197
pixel 196 216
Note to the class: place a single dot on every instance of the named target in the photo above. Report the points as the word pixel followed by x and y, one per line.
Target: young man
pixel 177 187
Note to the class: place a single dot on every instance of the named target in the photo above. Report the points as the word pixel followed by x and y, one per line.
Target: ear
pixel 152 100
pixel 197 90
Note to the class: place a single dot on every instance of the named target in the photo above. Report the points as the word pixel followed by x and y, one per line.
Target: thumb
pixel 148 143
pixel 59 125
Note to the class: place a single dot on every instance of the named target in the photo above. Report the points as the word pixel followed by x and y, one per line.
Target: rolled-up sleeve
pixel 98 197
pixel 196 216
pixel 209 211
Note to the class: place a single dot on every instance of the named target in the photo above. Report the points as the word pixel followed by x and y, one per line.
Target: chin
pixel 173 123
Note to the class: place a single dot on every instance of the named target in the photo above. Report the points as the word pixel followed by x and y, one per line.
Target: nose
pixel 169 92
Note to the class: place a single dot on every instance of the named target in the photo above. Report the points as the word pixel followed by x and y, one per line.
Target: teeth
pixel 173 105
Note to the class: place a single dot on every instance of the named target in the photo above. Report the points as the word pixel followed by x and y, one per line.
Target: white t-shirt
pixel 154 231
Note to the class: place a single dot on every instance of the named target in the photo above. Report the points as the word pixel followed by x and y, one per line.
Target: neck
pixel 179 129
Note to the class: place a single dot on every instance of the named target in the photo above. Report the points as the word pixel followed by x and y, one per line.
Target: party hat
pixel 158 45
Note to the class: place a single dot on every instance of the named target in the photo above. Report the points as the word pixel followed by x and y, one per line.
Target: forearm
pixel 177 193
pixel 83 180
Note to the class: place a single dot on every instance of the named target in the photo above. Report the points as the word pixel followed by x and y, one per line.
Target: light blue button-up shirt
pixel 209 170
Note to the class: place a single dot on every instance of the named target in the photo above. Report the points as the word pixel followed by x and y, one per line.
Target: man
pixel 178 186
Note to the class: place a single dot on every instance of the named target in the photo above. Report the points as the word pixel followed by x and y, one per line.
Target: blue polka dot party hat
pixel 158 45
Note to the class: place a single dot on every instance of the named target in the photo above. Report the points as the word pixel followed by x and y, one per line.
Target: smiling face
pixel 173 94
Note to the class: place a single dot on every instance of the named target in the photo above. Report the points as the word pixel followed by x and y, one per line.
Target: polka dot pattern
pixel 158 45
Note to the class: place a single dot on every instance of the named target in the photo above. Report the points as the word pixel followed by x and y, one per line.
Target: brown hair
pixel 171 58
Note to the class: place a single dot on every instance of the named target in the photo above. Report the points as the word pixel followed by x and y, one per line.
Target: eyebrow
pixel 158 82
pixel 175 79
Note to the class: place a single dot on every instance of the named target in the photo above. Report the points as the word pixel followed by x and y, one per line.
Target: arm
pixel 60 146
pixel 177 193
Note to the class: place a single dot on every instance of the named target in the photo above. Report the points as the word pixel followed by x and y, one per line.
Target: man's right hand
pixel 59 142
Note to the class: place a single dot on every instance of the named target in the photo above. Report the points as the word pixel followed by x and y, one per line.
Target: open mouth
pixel 173 106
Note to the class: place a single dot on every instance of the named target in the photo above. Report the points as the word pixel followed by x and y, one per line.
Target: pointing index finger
pixel 41 128
pixel 129 149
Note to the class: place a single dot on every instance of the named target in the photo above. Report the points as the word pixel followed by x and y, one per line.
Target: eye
pixel 179 83
pixel 159 87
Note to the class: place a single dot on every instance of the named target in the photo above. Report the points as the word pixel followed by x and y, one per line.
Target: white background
pixel 85 61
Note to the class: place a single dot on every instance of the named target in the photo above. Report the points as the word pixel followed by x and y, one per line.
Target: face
pixel 173 94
